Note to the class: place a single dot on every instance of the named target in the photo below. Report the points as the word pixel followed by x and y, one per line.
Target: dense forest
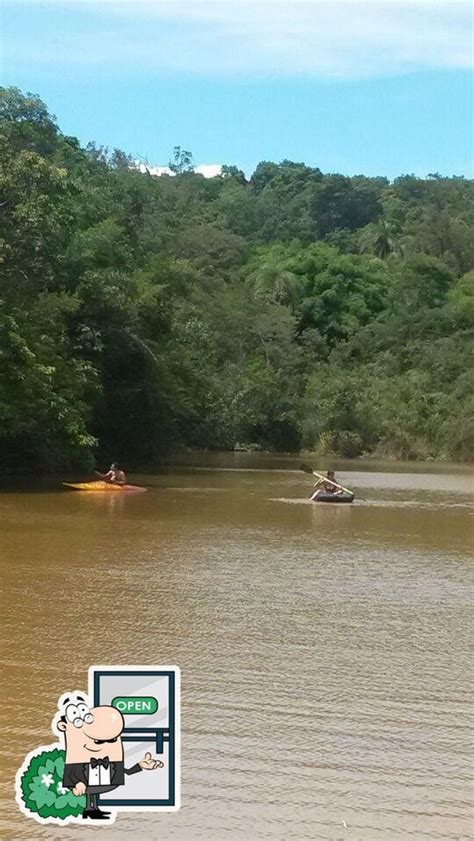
pixel 292 310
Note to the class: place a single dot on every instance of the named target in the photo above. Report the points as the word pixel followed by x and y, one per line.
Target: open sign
pixel 148 698
pixel 135 705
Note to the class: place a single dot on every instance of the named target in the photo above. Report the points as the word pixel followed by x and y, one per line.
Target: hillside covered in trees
pixel 293 310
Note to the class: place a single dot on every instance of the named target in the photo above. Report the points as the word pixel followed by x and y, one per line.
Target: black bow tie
pixel 105 762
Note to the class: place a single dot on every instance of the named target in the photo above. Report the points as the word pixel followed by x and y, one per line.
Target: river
pixel 324 649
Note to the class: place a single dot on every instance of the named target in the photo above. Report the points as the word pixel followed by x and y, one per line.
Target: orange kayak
pixel 101 486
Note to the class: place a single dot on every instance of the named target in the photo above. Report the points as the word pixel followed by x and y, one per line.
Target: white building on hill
pixel 207 170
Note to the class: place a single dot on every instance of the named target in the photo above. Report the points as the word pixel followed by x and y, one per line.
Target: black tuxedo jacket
pixel 78 772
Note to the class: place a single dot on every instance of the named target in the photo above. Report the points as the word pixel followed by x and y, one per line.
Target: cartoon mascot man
pixel 94 751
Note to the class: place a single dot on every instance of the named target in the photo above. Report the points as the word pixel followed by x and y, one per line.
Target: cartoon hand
pixel 79 789
pixel 149 764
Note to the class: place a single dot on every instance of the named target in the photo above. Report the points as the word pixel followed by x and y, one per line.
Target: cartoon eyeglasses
pixel 78 714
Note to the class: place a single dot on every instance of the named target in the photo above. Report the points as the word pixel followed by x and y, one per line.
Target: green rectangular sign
pixel 135 704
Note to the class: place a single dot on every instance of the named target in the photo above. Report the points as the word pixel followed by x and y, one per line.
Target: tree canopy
pixel 294 309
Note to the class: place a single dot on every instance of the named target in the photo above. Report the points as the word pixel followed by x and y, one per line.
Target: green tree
pixel 380 239
pixel 181 162
pixel 141 314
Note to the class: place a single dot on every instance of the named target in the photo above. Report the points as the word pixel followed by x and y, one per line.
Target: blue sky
pixel 375 87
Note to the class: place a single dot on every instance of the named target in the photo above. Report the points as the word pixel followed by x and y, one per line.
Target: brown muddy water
pixel 324 649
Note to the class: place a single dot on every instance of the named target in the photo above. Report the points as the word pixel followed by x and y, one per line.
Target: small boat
pixel 102 487
pixel 324 496
pixel 339 494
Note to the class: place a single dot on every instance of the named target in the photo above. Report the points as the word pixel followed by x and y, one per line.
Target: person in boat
pixel 114 475
pixel 327 486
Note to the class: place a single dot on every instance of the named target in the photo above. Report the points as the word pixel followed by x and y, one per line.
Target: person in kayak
pixel 114 475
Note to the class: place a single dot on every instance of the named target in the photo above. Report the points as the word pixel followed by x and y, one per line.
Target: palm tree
pixel 273 282
pixel 379 239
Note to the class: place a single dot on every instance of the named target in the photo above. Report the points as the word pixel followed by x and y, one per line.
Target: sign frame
pixel 172 735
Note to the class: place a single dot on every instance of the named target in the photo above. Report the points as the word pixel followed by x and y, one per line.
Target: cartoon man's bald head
pixel 89 732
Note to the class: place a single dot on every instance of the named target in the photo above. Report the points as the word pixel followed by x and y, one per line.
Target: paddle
pixel 307 469
pixel 102 476
pixel 142 486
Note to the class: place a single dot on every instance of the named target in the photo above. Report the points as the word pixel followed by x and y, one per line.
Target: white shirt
pixel 99 776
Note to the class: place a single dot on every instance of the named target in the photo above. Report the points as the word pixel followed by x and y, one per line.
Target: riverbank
pixel 241 458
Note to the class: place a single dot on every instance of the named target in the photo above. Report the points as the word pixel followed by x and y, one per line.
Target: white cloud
pixel 333 39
